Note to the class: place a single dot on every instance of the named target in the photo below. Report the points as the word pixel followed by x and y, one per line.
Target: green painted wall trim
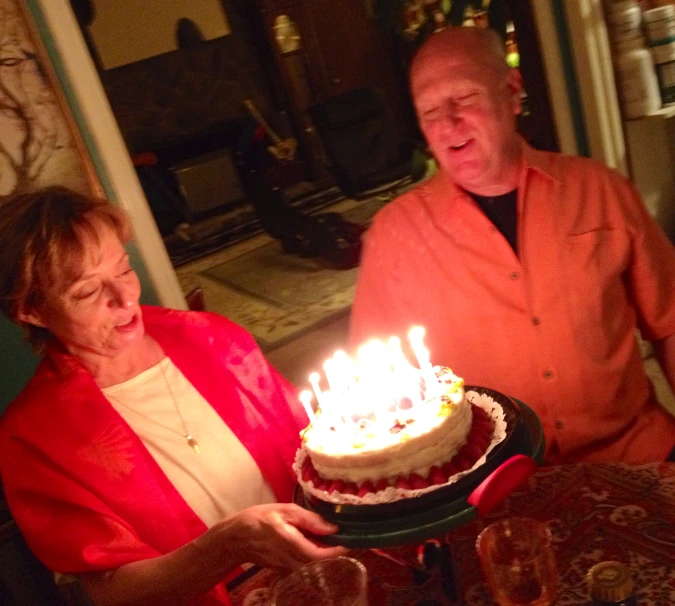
pixel 149 295
pixel 572 84
pixel 17 362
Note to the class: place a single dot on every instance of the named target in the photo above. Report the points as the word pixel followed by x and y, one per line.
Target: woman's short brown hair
pixel 40 238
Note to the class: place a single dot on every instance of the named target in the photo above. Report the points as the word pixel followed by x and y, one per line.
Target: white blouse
pixel 222 478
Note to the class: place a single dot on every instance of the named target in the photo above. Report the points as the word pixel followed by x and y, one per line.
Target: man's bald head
pixel 467 98
pixel 484 46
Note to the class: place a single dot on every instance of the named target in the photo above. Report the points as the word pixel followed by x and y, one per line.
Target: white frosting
pixel 401 442
pixel 392 493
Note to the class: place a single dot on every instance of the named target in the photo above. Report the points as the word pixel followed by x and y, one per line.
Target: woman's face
pixel 96 313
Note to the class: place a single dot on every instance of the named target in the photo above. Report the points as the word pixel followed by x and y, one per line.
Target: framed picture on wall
pixel 39 142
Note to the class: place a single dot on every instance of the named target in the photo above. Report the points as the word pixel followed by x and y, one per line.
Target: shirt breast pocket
pixel 598 305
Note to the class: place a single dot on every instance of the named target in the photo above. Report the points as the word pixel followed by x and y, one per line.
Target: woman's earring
pixel 31 318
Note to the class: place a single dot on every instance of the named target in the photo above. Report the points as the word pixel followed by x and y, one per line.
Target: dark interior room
pixel 265 135
pixel 310 96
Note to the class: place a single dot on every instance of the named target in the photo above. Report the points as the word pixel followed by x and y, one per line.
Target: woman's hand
pixel 268 535
pixel 273 536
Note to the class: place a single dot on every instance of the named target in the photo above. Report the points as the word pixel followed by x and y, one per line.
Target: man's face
pixel 466 109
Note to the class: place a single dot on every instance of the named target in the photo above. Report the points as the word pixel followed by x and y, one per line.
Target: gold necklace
pixel 190 440
pixel 186 434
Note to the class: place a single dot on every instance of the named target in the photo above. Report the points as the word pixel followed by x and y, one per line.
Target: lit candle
pixel 406 377
pixel 306 399
pixel 339 410
pixel 345 370
pixel 398 361
pixel 329 414
pixel 314 380
pixel 332 376
pixel 377 381
pixel 416 338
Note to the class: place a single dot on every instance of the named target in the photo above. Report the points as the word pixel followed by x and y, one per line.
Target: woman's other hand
pixel 267 535
pixel 274 536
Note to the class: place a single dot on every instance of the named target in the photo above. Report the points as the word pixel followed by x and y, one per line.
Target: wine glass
pixel 338 581
pixel 518 562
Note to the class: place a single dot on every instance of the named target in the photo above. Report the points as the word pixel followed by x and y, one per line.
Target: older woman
pixel 150 450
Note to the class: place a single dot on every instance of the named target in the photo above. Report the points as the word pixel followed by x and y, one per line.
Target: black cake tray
pixel 432 514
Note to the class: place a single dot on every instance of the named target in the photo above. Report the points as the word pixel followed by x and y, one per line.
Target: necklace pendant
pixel 192 443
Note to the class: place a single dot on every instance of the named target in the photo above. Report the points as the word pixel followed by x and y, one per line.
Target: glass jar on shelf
pixel 638 84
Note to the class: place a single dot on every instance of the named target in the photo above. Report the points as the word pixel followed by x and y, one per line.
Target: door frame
pixel 88 102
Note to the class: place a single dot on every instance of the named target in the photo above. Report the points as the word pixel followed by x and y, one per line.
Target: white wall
pixel 125 31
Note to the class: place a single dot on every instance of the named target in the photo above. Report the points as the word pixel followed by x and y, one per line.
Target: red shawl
pixel 83 489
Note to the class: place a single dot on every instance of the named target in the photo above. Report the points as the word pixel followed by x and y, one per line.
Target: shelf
pixel 664 114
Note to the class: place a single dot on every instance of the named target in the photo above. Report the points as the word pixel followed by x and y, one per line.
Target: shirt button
pixel 515 275
pixel 559 425
pixel 536 321
pixel 548 374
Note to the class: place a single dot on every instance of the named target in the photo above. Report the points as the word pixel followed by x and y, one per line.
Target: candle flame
pixel 306 401
pixel 417 333
pixel 372 386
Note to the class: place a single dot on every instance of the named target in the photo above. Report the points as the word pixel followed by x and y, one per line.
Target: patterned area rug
pixel 595 512
pixel 277 296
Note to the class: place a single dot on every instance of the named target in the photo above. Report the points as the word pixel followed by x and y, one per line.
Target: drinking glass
pixel 338 581
pixel 518 562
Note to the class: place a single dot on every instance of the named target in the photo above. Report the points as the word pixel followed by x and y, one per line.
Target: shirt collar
pixel 537 161
pixel 531 160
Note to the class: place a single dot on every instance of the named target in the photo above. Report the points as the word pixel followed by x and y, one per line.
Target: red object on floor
pixel 145 159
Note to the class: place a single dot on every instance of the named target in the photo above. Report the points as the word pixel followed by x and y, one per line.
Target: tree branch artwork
pixel 30 129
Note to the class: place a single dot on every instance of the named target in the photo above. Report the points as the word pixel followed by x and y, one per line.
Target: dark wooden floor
pixel 299 358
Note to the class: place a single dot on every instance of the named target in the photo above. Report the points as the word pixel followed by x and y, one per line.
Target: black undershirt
pixel 502 211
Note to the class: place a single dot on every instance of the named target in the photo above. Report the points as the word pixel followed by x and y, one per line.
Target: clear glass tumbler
pixel 518 562
pixel 339 581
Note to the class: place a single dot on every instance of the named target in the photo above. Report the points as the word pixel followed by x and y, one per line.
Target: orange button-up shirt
pixel 554 326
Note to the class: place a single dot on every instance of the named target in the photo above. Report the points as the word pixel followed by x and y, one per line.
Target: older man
pixel 530 270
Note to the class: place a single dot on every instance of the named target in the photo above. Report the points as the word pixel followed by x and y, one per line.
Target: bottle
pixel 440 22
pixel 610 584
pixel 625 18
pixel 660 25
pixel 638 84
pixel 664 61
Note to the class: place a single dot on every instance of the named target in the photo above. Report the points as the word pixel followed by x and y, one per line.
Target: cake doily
pixel 393 493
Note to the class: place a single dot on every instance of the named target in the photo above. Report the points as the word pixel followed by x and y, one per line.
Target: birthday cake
pixel 386 430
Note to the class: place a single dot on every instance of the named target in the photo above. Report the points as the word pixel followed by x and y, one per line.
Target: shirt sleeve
pixel 65 525
pixel 651 274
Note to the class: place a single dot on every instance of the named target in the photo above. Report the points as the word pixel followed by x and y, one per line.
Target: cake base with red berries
pixel 406 450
